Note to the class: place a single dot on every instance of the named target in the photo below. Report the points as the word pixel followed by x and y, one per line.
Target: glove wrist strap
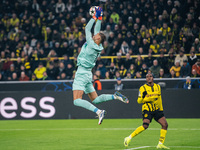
pixel 94 17
pixel 100 18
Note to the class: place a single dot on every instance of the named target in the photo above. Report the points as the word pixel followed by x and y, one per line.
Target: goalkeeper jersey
pixel 90 51
pixel 152 101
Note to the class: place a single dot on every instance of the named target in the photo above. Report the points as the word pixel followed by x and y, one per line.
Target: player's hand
pixel 98 13
pixel 144 94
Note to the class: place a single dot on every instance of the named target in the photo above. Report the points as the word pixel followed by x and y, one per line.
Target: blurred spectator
pixel 132 70
pixel 155 46
pixel 163 62
pixel 194 74
pixel 188 84
pixel 119 85
pixel 196 67
pixel 172 74
pixel 51 71
pixel 138 62
pixel 149 60
pixel 180 57
pixel 97 84
pixel 107 75
pixel 60 70
pixel 128 61
pixel 119 60
pixel 144 70
pixel 60 7
pixel 7 63
pixel 62 76
pixel 14 77
pixel 1 77
pixel 124 47
pixel 23 77
pixel 39 71
pixel 185 69
pixel 128 76
pixel 112 69
pixel 69 71
pixel 155 68
pixel 45 76
pixel 117 75
pixel 192 59
pixel 122 71
pixel 162 74
pixel 8 73
pixel 115 17
pixel 176 68
pixel 28 49
pixel 137 75
pixel 134 47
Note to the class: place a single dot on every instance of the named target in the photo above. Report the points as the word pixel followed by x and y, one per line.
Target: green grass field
pixel 86 134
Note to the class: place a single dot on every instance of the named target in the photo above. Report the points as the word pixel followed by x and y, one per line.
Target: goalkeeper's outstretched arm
pixel 88 28
pixel 97 27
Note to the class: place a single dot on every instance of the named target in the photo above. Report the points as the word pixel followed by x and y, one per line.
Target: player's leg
pixel 78 101
pixel 79 85
pixel 163 122
pixel 147 117
pixel 100 113
pixel 107 97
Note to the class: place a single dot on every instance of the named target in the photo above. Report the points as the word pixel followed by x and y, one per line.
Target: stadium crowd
pixel 34 34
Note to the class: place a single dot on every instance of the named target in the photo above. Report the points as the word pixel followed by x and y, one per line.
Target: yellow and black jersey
pixel 152 101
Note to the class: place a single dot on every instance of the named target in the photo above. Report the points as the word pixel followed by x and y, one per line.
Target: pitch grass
pixel 86 134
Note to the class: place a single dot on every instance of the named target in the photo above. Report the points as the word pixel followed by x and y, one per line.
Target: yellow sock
pixel 137 131
pixel 162 136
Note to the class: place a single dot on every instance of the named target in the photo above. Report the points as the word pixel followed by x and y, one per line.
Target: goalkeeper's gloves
pixel 144 94
pixel 98 13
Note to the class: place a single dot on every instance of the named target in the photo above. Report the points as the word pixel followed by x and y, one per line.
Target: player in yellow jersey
pixel 150 97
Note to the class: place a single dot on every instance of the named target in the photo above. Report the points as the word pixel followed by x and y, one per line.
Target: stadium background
pixel 51 32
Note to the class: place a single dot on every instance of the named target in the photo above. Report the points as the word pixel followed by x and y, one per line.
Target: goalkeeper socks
pixel 103 98
pixel 162 136
pixel 85 104
pixel 137 131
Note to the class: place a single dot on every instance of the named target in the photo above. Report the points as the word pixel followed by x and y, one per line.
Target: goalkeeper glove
pixel 98 13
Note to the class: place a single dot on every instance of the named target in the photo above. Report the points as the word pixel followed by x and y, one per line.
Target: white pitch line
pixel 168 146
pixel 109 129
pixel 185 146
pixel 139 147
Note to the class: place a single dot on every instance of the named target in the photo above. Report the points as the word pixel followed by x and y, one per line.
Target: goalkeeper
pixel 150 97
pixel 90 51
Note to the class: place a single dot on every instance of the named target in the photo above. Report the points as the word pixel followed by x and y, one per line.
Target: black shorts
pixel 152 114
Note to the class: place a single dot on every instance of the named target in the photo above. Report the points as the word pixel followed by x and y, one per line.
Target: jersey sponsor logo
pixel 145 115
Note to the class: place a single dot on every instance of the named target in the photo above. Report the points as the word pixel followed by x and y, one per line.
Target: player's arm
pixel 140 95
pixel 97 27
pixel 145 97
pixel 98 16
pixel 88 28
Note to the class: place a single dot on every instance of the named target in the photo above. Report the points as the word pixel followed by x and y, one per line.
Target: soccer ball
pixel 92 11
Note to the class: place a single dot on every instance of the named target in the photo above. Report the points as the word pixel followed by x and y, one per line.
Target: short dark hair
pixel 103 37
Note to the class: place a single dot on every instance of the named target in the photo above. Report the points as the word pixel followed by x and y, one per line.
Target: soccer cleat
pixel 101 116
pixel 161 146
pixel 119 96
pixel 126 141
